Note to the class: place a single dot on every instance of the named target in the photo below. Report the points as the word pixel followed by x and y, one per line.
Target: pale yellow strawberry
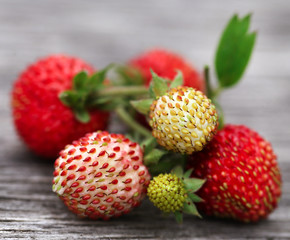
pixel 183 120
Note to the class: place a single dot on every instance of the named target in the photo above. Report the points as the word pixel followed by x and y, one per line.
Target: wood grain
pixel 114 31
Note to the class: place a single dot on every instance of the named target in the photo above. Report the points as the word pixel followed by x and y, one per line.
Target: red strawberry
pixel 243 178
pixel 165 64
pixel 101 176
pixel 43 122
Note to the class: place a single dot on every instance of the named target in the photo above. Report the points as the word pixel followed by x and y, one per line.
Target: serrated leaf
pixel 193 184
pixel 178 171
pixel 194 197
pixel 82 115
pixel 178 80
pixel 190 208
pixel 158 85
pixel 142 106
pixel 178 217
pixel 187 173
pixel 148 144
pixel 80 81
pixel 234 51
pixel 153 157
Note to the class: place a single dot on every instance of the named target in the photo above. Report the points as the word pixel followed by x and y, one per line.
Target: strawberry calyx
pixel 92 92
pixel 158 87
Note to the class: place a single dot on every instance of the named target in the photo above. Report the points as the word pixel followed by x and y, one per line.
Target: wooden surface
pixel 113 31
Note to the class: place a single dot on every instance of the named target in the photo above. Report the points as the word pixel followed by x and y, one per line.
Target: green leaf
pixel 190 208
pixel 234 51
pixel 178 171
pixel 193 184
pixel 161 167
pixel 80 81
pixel 158 86
pixel 148 144
pixel 96 80
pixel 194 197
pixel 178 217
pixel 82 115
pixel 83 96
pixel 153 157
pixel 142 106
pixel 69 98
pixel 187 173
pixel 178 80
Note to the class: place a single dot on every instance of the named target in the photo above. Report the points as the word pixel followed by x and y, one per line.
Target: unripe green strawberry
pixel 101 176
pixel 167 192
pixel 175 192
pixel 183 120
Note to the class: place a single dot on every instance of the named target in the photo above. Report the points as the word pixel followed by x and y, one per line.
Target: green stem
pixel 122 91
pixel 207 82
pixel 126 118
pixel 213 94
pixel 210 92
pixel 217 92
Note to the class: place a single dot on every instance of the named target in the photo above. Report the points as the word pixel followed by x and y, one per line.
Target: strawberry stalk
pixel 134 125
pixel 231 59
pixel 91 92
pixel 122 91
pixel 213 94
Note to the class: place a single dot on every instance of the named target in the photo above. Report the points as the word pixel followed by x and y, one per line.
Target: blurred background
pixel 102 32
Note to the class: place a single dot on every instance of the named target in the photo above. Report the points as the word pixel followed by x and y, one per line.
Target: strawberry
pixel 167 192
pixel 165 64
pixel 42 121
pixel 183 120
pixel 174 192
pixel 101 176
pixel 243 178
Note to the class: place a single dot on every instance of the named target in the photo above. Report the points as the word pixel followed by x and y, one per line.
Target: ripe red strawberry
pixel 243 178
pixel 165 64
pixel 42 121
pixel 101 176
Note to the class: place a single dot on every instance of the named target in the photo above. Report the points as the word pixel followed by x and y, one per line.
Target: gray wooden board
pixel 102 32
